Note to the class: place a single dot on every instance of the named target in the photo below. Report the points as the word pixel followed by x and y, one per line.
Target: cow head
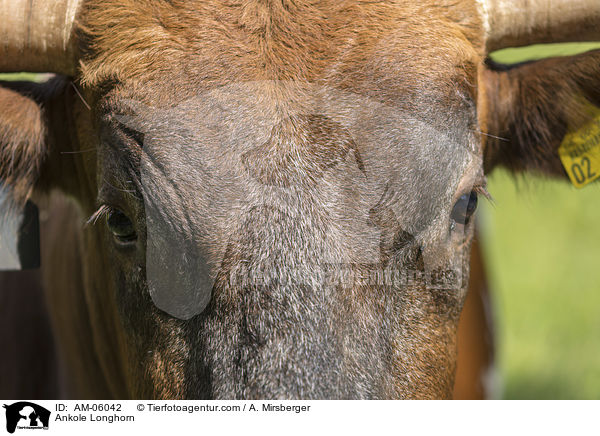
pixel 279 195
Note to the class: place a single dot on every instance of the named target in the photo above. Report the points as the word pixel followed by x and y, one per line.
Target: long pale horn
pixel 37 36
pixel 514 23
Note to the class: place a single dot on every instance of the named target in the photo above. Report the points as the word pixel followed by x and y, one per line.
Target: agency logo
pixel 26 415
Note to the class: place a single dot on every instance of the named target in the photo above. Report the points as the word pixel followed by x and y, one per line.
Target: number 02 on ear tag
pixel 580 151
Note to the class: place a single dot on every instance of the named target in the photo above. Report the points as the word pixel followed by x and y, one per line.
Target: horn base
pixel 37 36
pixel 516 23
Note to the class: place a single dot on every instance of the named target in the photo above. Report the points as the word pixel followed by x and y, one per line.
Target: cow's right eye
pixel 465 208
pixel 121 227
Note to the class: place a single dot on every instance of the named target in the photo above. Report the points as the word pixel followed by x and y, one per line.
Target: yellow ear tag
pixel 580 150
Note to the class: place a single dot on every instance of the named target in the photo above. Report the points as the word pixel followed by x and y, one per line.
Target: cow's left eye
pixel 121 227
pixel 464 208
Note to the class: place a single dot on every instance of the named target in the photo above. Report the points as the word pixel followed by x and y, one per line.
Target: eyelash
pixel 482 190
pixel 102 212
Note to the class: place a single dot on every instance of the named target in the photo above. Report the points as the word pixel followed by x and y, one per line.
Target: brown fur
pixel 22 146
pixel 256 40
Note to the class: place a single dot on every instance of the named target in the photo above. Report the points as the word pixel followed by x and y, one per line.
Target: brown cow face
pixel 298 228
pixel 288 186
pixel 281 207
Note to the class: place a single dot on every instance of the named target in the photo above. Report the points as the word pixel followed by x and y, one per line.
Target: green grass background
pixel 542 248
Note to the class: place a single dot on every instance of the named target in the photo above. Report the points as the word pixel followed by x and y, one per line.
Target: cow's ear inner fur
pixel 23 134
pixel 526 110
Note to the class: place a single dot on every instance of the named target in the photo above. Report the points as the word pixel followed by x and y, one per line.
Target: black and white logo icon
pixel 26 415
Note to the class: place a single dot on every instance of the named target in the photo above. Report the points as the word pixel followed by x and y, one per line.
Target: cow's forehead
pixel 237 77
pixel 331 58
pixel 374 47
pixel 396 78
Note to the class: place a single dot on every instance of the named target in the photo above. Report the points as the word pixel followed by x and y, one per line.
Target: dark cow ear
pixel 22 152
pixel 543 117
